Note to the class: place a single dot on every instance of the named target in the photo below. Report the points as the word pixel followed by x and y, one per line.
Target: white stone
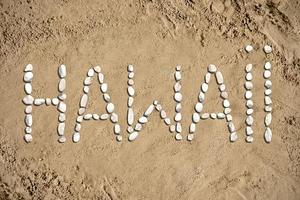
pixel 249 76
pixel 249 120
pixel 192 128
pixel 178 117
pixel 227 111
pixel 155 102
pixel 190 137
pixel 117 129
pixel 104 87
pixel 177 76
pixel 267 74
pixel 28 109
pixel 178 136
pixel 249 111
pixel 48 101
pixel 39 101
pixel 81 111
pixel 84 100
pixel 138 127
pixel 114 118
pixel 249 139
pixel 268 119
pixel 178 107
pixel 62 71
pixel 87 81
pixel 248 48
pixel 100 78
pixel 158 107
pixel 267 49
pixel 268 66
pixel 130 129
pixel 222 87
pixel 167 121
pixel 130 116
pixel 62 85
pixel 177 87
pixel 248 85
pixel 130 101
pixel 226 103
pixel 28 130
pixel 104 116
pixel 130 68
pixel 97 69
pixel 28 68
pixel 96 116
pixel 62 96
pixel 268 84
pixel 248 95
pixel 130 82
pixel 106 97
pixel 91 72
pixel 207 77
pixel 204 87
pixel 178 128
pixel 28 88
pixel 205 116
pixel 220 115
pixel 149 110
pixel 61 129
pixel 224 95
pixel 249 130
pixel 198 107
pixel 219 77
pixel 28 76
pixel 28 100
pixel 133 136
pixel 212 68
pixel 143 120
pixel 62 139
pixel 268 108
pixel 131 75
pixel 213 115
pixel 88 116
pixel 119 138
pixel 62 107
pixel 178 97
pixel 268 135
pixel 233 137
pixel 130 91
pixel 268 92
pixel 110 107
pixel 228 118
pixel 178 68
pixel 172 128
pixel 201 97
pixel 248 67
pixel 76 137
pixel 268 100
pixel 163 114
pixel 61 117
pixel 196 117
pixel 28 138
pixel 79 119
pixel 28 120
pixel 249 103
pixel 231 127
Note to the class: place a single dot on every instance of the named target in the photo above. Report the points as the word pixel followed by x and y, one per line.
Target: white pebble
pixel 28 120
pixel 205 116
pixel 87 81
pixel 268 66
pixel 130 116
pixel 96 116
pixel 233 137
pixel 62 85
pixel 226 103
pixel 231 127
pixel 190 137
pixel 268 92
pixel 100 78
pixel 61 129
pixel 228 118
pixel 81 111
pixel 204 87
pixel 178 136
pixel 130 82
pixel 143 120
pixel 114 118
pixel 268 100
pixel 104 87
pixel 62 71
pixel 97 69
pixel 268 84
pixel 28 88
pixel 220 115
pixel 249 103
pixel 248 95
pixel 268 108
pixel 149 110
pixel 167 121
pixel 201 97
pixel 178 107
pixel 130 91
pixel 28 130
pixel 222 87
pixel 192 128
pixel 28 68
pixel 88 116
pixel 39 102
pixel 110 107
pixel 48 101
pixel 177 76
pixel 249 130
pixel 212 68
pixel 28 138
pixel 224 95
pixel 117 129
pixel 248 67
pixel 106 97
pixel 249 111
pixel 158 107
pixel 178 97
pixel 138 127
pixel 249 76
pixel 268 135
pixel 163 114
pixel 267 49
pixel 61 117
pixel 62 139
pixel 28 76
pixel 131 75
pixel 196 117
pixel 62 107
pixel 227 111
pixel 178 128
pixel 133 136
pixel 62 96
pixel 207 77
pixel 177 87
pixel 104 116
pixel 91 72
pixel 198 107
pixel 84 100
pixel 28 100
pixel 130 129
pixel 130 68
pixel 248 48
pixel 178 68
pixel 119 138
pixel 213 115
pixel 76 137
pixel 248 85
pixel 249 120
pixel 219 77
pixel 249 139
pixel 178 117
pixel 267 74
pixel 172 128
pixel 268 119
pixel 28 109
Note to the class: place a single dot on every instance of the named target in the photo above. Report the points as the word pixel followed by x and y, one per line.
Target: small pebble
pixel 177 76
pixel 226 103
pixel 219 77
pixel 268 66
pixel 172 128
pixel 87 81
pixel 79 119
pixel 110 107
pixel 268 84
pixel 114 118
pixel 178 117
pixel 224 95
pixel 190 137
pixel 248 48
pixel 268 135
pixel 84 100
pixel 178 107
pixel 268 92
pixel 104 116
pixel 178 136
pixel 76 137
pixel 130 91
pixel 268 119
pixel 149 110
pixel 178 68
pixel 117 129
pixel 143 120
pixel 106 97
pixel 177 87
pixel 198 107
pixel 249 130
pixel 62 71
pixel 163 114
pixel 87 116
pixel 212 68
pixel 104 87
pixel 178 97
pixel 204 87
pixel 220 115
pixel 28 138
pixel 133 136
pixel 130 68
pixel 28 130
pixel 249 111
pixel 28 100
pixel 268 108
pixel 119 138
pixel 62 96
pixel 248 85
pixel 28 68
pixel 192 128
pixel 222 87
pixel 130 101
pixel 28 88
pixel 249 76
pixel 201 97
pixel 96 116
pixel 205 116
pixel 81 111
pixel 28 120
pixel 267 49
pixel 62 139
pixel 77 127
pixel 130 129
pixel 130 82
pixel 39 102
pixel 213 115
pixel 62 107
pixel 196 117
pixel 268 100
pixel 249 103
pixel 267 74
pixel 207 77
pixel 248 95
pixel 178 128
pixel 28 109
pixel 130 75
pixel 228 118
pixel 158 107
pixel 97 69
pixel 249 68
pixel 28 76
pixel 249 120
pixel 167 121
pixel 233 137
pixel 100 78
pixel 231 127
pixel 138 127
pixel 61 129
pixel 130 116
pixel 227 111
pixel 48 101
pixel 249 139
pixel 91 72
pixel 61 117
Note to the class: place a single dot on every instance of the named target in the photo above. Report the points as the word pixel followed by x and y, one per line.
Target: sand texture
pixel 154 36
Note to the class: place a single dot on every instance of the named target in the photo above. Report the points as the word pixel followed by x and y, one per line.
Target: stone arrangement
pixel 110 108
pixel 267 98
pixel 134 130
pixel 197 115
pixel 249 103
pixel 58 101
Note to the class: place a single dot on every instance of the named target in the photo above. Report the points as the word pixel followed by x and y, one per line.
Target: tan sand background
pixel 154 36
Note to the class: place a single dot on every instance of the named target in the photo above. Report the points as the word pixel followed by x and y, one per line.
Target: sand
pixel 154 36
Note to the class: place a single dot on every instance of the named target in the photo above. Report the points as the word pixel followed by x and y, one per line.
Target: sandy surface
pixel 155 36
